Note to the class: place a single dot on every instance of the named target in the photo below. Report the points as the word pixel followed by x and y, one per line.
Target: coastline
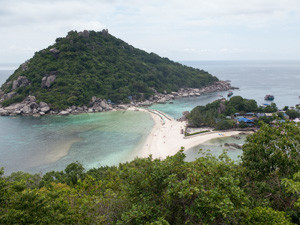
pixel 166 139
pixel 31 107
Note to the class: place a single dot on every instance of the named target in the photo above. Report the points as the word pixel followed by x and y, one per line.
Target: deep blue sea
pixel 254 78
pixel 52 142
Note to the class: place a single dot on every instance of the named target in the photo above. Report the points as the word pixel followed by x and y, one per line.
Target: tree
pixel 225 124
pixel 269 155
pixel 267 216
pixel 293 114
pixel 272 150
pixel 271 108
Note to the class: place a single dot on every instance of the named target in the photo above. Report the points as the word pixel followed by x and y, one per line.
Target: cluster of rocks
pixel 233 145
pixel 162 98
pixel 30 107
pixel 96 105
pixel 20 82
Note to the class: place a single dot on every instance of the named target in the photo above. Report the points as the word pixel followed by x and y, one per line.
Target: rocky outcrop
pixel 20 82
pixel 7 96
pixel 124 107
pixel 99 105
pixel 54 51
pixel 48 79
pixel 84 34
pixel 105 32
pixel 64 113
pixel 30 107
pixel 233 145
pixel 44 107
pixel 24 66
pixel 162 101
pixel 146 103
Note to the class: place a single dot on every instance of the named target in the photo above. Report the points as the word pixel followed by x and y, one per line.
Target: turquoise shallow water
pixel 32 144
pixel 216 147
pixel 186 104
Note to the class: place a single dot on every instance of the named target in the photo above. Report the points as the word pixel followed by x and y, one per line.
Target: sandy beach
pixel 166 138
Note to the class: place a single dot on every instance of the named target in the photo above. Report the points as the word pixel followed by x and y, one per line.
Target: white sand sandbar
pixel 166 138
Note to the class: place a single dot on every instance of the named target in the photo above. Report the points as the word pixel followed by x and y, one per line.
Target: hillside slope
pixel 89 63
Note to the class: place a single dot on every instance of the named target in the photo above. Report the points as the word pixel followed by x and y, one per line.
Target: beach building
pixel 249 114
pixel 247 121
pixel 268 114
pixel 258 115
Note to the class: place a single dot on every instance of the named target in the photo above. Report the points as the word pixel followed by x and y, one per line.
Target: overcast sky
pixel 180 30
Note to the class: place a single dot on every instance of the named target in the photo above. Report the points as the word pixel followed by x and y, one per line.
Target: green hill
pixel 89 63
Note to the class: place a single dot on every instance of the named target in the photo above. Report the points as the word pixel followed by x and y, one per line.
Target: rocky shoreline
pixel 29 106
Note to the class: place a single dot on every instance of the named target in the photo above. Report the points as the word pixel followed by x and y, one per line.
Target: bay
pixel 52 142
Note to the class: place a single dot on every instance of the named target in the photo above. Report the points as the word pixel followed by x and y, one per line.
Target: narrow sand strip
pixel 165 138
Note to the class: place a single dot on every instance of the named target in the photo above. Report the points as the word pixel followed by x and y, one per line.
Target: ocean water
pixel 216 148
pixel 42 144
pixel 52 142
pixel 254 78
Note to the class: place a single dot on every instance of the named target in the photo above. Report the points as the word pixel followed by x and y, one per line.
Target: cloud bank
pixel 180 30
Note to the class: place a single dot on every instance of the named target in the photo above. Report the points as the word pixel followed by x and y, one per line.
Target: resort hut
pixel 246 121
pixel 258 115
pixel 249 114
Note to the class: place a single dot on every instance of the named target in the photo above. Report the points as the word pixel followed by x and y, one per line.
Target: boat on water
pixel 170 102
pixel 230 93
pixel 269 97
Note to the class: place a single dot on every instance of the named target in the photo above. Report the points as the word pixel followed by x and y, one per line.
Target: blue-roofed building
pixel 246 121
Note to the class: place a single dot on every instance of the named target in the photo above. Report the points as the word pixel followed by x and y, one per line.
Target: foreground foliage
pixel 262 189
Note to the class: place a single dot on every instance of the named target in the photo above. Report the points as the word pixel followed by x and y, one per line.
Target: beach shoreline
pixel 166 137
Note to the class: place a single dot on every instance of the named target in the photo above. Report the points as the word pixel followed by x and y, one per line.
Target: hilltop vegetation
pixel 214 114
pixel 264 188
pixel 87 64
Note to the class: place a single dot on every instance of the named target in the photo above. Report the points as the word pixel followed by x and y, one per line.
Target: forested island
pixel 263 188
pixel 90 66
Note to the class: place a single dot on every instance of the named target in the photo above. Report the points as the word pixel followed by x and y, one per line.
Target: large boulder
pixel 33 105
pixel 97 109
pixel 44 107
pixel 24 66
pixel 3 112
pixel 146 103
pixel 48 79
pixel 20 82
pixel 63 113
pixel 84 34
pixel 54 51
pixel 162 100
pixel 26 109
pixel 122 107
pixel 104 105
